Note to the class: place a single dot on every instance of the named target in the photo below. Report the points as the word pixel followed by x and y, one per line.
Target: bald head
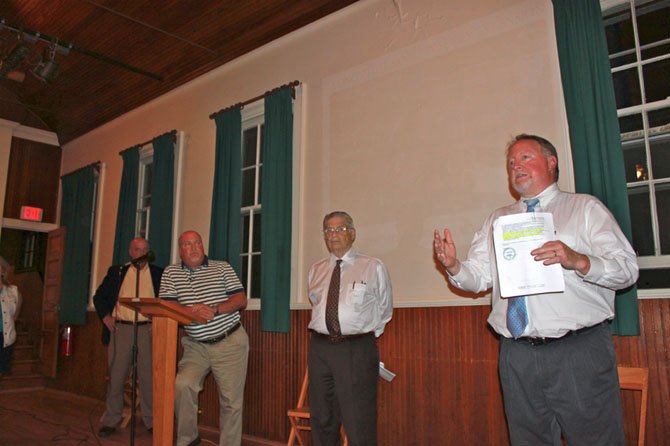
pixel 137 248
pixel 191 251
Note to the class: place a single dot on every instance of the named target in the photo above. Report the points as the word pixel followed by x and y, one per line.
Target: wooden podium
pixel 166 317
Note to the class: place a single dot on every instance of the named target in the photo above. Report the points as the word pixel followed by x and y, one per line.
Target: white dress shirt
pixel 585 225
pixel 366 299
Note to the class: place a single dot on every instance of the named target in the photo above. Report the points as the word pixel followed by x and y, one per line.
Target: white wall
pixel 407 109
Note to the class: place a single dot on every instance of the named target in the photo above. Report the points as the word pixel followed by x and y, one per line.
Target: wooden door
pixel 53 272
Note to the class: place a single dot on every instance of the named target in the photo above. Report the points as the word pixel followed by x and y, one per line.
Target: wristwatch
pixel 216 310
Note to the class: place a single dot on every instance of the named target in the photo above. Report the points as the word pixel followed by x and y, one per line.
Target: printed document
pixel 514 237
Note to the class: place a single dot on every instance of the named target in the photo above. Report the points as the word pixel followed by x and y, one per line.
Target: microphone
pixel 148 257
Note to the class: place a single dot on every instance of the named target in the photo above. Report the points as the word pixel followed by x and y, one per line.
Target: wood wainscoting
pixel 446 390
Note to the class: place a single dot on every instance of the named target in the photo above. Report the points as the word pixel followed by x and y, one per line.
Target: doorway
pixel 25 251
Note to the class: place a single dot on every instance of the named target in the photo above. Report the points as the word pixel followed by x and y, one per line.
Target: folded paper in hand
pixel 385 373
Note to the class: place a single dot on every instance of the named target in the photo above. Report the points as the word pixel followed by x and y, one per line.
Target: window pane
pixel 245 233
pixel 626 88
pixel 660 156
pixel 256 276
pixel 260 184
pixel 257 233
pixel 623 59
pixel 141 222
pixel 635 161
pixel 653 21
pixel 148 177
pixel 654 278
pixel 658 118
pixel 630 123
pixel 249 147
pixel 663 210
pixel 260 160
pixel 655 50
pixel 248 177
pixel 245 269
pixel 657 80
pixel 620 38
pixel 640 216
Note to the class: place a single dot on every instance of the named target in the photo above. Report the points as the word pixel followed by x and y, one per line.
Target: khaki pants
pixel 119 360
pixel 227 360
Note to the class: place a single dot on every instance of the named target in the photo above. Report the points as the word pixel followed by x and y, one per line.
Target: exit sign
pixel 31 214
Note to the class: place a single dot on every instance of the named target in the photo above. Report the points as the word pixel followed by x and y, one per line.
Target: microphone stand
pixel 134 356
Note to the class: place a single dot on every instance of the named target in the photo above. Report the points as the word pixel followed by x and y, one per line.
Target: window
pixel 638 39
pixel 252 162
pixel 144 192
pixel 31 251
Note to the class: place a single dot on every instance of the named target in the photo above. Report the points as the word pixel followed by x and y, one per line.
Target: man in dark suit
pixel 117 333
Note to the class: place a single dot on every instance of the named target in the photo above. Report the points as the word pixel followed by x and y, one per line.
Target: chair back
pixel 636 378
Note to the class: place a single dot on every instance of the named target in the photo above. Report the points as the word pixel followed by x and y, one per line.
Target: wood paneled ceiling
pixel 124 53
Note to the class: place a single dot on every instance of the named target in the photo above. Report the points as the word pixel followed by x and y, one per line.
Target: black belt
pixel 341 338
pixel 543 341
pixel 225 334
pixel 132 323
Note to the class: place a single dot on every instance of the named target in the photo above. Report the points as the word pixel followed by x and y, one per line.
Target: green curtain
pixel 276 199
pixel 76 215
pixel 225 239
pixel 127 210
pixel 162 198
pixel 594 126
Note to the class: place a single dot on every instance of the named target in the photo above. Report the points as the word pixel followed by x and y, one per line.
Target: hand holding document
pixel 514 237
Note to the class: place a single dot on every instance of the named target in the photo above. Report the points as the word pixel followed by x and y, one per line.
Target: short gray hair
pixel 347 218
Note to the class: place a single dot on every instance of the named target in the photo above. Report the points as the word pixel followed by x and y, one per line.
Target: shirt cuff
pixel 596 270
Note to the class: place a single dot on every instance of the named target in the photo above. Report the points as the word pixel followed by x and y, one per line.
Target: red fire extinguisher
pixel 67 341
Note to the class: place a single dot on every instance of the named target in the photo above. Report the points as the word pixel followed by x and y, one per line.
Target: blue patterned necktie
pixel 517 314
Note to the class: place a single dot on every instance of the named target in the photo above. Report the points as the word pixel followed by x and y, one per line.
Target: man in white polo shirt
pixel 212 290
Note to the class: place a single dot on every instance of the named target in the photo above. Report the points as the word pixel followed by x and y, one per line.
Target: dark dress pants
pixel 343 388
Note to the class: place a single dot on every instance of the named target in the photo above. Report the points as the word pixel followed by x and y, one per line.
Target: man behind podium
pixel 212 290
pixel 117 332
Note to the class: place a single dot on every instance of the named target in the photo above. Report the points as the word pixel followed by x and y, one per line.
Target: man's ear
pixel 553 164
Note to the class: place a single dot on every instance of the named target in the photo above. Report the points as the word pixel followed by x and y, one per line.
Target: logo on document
pixel 509 253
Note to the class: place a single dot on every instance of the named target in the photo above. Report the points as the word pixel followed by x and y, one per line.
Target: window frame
pixel 647 134
pixel 146 159
pixel 249 112
pixel 253 116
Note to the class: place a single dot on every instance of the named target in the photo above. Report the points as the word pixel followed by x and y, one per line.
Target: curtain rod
pixel 171 132
pixel 95 165
pixel 249 101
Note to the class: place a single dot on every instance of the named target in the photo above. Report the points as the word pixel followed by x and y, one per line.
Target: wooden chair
pixel 635 378
pixel 299 417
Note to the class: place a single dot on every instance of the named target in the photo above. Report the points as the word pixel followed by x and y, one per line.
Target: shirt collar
pixel 545 196
pixel 205 263
pixel 348 257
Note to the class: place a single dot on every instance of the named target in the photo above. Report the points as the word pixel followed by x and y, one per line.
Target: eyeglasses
pixel 339 230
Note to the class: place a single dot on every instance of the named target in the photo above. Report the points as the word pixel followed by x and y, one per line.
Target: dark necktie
pixel 333 302
pixel 517 313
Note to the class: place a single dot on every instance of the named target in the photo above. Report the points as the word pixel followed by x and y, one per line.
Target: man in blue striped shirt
pixel 212 290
